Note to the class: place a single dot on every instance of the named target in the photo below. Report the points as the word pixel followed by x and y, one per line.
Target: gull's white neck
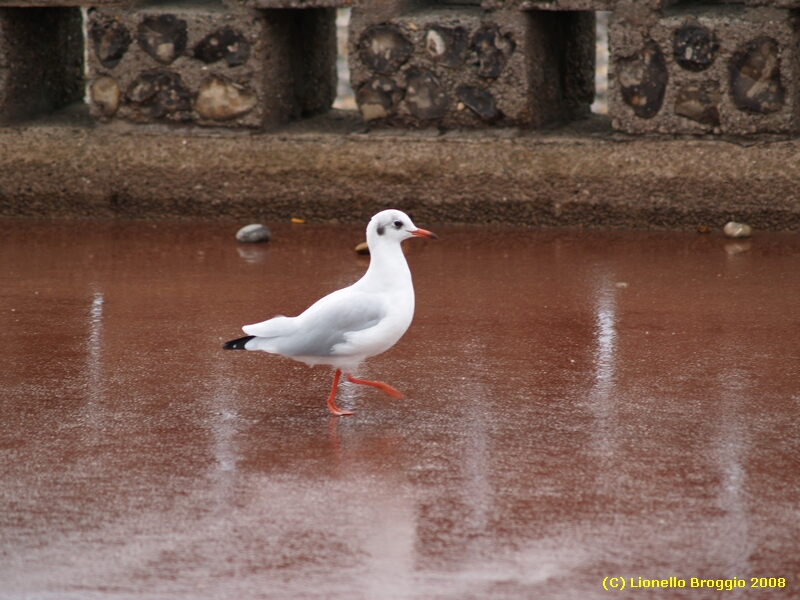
pixel 388 268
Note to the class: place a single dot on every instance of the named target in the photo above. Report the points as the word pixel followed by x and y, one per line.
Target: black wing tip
pixel 237 344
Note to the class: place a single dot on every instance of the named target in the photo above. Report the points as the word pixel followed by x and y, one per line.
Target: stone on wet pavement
pixel 737 230
pixel 254 233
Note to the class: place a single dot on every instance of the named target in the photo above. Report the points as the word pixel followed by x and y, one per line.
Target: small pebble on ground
pixel 737 230
pixel 254 233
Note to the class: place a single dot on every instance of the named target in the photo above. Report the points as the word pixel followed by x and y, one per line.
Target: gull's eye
pixel 397 224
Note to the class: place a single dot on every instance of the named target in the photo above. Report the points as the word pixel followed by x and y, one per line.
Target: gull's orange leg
pixel 384 387
pixel 332 398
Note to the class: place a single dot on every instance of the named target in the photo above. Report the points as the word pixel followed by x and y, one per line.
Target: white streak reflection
pixel 94 379
pixel 95 353
pixel 601 401
pixel 606 344
pixel 226 424
pixel 476 459
pixel 729 449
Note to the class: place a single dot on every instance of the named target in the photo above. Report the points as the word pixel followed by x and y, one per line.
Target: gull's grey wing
pixel 327 323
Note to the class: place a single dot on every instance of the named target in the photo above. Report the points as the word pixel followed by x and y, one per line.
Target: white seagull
pixel 352 324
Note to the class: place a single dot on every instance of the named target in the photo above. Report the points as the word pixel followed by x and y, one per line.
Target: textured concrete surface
pixel 579 406
pixel 330 169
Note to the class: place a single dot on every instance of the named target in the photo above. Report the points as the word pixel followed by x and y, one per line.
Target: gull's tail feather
pixel 238 344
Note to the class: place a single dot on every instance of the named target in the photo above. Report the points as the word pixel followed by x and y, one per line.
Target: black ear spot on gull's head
pixel 381 229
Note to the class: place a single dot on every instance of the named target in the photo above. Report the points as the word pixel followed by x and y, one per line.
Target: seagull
pixel 354 323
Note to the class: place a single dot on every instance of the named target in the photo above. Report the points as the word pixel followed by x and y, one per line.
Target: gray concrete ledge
pixel 329 169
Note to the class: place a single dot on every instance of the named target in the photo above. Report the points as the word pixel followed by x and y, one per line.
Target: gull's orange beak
pixel 425 233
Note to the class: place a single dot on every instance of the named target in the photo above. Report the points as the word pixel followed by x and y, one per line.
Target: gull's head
pixel 393 226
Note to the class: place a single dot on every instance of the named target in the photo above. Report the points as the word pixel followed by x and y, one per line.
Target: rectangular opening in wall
pixel 345 98
pixel 600 105
pixel 42 61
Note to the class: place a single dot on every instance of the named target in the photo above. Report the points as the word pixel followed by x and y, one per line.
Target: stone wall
pixel 675 68
pixel 501 69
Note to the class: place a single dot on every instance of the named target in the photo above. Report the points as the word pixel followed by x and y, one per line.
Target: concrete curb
pixel 327 170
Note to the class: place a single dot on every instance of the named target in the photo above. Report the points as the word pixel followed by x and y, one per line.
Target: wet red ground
pixel 579 406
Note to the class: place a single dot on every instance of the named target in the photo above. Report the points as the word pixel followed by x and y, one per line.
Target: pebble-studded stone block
pixel 268 4
pixel 598 5
pixel 209 65
pixel 593 5
pixel 41 61
pixel 717 69
pixel 549 4
pixel 774 3
pixel 61 3
pixel 465 67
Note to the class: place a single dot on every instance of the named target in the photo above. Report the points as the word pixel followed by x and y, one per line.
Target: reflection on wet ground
pixel 579 405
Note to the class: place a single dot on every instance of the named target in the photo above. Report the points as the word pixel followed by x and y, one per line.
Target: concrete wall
pixel 487 73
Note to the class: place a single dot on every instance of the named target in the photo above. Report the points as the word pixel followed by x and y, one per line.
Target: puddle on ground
pixel 579 405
